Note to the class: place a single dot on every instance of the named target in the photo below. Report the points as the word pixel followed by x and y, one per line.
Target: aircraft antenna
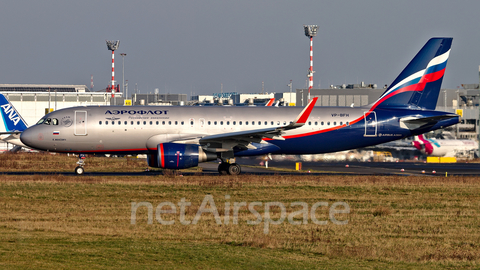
pixel 310 32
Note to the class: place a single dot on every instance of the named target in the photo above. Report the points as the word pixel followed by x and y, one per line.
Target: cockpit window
pixel 40 121
pixel 48 121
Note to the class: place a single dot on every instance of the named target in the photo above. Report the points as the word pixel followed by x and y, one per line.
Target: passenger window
pixel 266 123
pixel 182 123
pixel 334 123
pixel 131 123
pixel 106 123
pixel 328 123
pixel 309 123
pixel 215 123
pixel 151 123
pixel 271 123
pixel 240 123
pixel 191 123
pixel 228 122
pixel 246 123
pixel 316 123
pixel 221 123
pixel 209 123
pixel 119 122
pixel 113 122
pixel 169 123
pixel 176 123
pixel 321 123
pixel 156 123
pixel 234 123
pixel 125 123
pixel 138 123
pixel 259 123
pixel 100 122
pixel 163 123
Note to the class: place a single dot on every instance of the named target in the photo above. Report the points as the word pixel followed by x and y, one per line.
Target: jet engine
pixel 178 156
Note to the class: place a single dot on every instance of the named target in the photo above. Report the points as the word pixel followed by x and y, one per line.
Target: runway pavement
pixel 252 166
pixel 375 168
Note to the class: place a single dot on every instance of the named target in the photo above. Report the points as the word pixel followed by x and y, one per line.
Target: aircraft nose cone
pixel 31 138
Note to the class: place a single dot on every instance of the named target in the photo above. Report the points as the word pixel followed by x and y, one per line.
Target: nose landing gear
pixel 81 162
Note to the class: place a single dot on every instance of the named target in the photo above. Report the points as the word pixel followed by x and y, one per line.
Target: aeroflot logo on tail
pixel 132 112
pixel 12 115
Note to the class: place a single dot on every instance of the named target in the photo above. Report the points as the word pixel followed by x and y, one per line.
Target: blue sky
pixel 197 46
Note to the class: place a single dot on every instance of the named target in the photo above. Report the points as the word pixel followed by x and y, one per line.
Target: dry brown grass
pixel 394 219
pixel 54 162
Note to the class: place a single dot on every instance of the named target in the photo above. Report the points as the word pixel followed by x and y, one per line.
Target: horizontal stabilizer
pixel 413 123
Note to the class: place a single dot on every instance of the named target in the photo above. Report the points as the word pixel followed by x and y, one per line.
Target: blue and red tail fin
pixel 12 121
pixel 418 86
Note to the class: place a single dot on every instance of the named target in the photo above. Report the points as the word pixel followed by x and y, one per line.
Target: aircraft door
pixel 201 123
pixel 80 123
pixel 370 124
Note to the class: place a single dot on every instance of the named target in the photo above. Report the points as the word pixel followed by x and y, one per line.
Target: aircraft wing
pixel 12 137
pixel 10 132
pixel 227 141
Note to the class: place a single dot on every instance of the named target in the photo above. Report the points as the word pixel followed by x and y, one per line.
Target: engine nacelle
pixel 178 156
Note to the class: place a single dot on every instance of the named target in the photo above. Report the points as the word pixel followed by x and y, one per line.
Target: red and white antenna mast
pixel 91 83
pixel 310 31
pixel 112 46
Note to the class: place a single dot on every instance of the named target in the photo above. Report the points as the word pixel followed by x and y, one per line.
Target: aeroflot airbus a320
pixel 182 137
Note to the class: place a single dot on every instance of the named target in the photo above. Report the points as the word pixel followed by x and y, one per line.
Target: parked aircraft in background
pixel 270 102
pixel 182 137
pixel 444 148
pixel 12 123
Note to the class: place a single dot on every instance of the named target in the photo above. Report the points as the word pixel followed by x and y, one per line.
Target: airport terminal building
pixel 33 100
pixel 463 101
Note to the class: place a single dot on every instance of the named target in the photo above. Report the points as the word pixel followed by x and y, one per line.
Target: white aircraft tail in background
pixel 12 123
pixel 443 148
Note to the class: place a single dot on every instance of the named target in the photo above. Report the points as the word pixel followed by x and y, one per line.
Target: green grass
pixel 58 221
pixel 55 250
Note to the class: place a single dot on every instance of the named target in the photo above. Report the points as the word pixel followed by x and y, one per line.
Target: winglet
pixel 270 102
pixel 303 116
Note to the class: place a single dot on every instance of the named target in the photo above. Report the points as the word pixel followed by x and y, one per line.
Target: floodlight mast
pixel 310 31
pixel 123 74
pixel 112 45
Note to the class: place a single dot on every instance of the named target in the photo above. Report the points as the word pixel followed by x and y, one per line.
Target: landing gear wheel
pixel 79 170
pixel 223 168
pixel 81 162
pixel 231 169
pixel 234 169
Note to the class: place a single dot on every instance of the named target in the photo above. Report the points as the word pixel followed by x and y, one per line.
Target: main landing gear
pixel 229 168
pixel 81 162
